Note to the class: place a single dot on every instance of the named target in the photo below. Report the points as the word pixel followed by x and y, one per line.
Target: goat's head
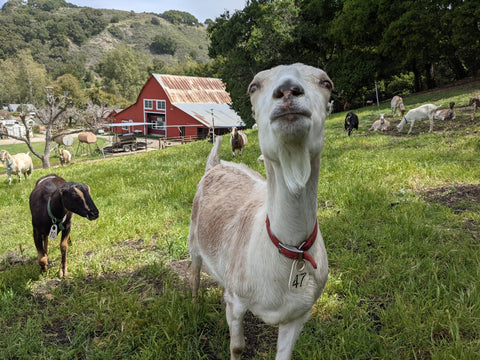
pixel 76 198
pixel 3 155
pixel 382 119
pixel 402 123
pixel 289 103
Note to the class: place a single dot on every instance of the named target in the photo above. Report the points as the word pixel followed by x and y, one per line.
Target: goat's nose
pixel 288 88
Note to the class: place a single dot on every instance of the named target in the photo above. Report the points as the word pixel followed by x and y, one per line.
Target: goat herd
pixel 423 112
pixel 263 246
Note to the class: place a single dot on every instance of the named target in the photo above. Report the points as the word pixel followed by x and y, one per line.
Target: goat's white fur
pixel 420 113
pixel 381 124
pixel 228 233
pixel 17 164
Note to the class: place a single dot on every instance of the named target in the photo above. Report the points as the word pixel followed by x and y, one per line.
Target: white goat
pixel 381 124
pixel 420 113
pixel 397 103
pixel 65 156
pixel 330 107
pixel 17 164
pixel 262 261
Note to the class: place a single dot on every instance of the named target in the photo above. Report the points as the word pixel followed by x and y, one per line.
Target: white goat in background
pixel 19 164
pixel 262 261
pixel 65 156
pixel 420 113
pixel 381 124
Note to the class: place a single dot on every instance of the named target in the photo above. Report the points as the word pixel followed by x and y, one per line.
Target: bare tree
pixel 95 114
pixel 53 116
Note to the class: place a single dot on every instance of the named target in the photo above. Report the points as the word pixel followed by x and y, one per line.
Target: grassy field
pixel 400 218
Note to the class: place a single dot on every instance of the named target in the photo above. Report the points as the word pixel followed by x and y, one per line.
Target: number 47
pixel 298 280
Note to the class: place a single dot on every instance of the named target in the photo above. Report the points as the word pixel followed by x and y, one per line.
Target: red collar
pixel 295 252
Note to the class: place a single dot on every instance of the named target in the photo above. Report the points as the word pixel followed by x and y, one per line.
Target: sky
pixel 201 9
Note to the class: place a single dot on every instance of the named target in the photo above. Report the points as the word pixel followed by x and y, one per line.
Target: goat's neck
pixel 56 205
pixel 292 216
pixel 10 162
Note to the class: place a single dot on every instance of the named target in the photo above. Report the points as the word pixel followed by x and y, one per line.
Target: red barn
pixel 179 106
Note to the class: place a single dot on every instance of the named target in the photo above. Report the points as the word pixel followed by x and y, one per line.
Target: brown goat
pixel 238 140
pixel 475 101
pixel 52 204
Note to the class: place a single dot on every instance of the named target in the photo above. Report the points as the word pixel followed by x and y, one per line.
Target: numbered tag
pixel 53 232
pixel 299 276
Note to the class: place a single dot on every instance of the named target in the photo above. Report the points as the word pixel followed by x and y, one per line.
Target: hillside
pixel 139 31
pixel 62 36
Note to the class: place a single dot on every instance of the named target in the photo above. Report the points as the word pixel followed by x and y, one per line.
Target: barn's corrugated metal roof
pixel 193 90
pixel 223 115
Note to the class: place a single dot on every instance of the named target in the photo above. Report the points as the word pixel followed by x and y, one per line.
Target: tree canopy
pixel 358 42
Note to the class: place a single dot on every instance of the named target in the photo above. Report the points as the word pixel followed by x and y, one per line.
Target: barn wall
pixel 152 90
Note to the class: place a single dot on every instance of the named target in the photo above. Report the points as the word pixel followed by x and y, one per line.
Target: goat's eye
pixel 252 88
pixel 327 84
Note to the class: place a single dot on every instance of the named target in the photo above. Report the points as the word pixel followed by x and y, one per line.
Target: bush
pixel 163 45
pixel 401 85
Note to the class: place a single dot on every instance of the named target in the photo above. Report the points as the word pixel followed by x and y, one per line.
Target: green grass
pixel 404 270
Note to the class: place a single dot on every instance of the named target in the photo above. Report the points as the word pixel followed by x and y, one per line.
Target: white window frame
pixel 150 102
pixel 161 105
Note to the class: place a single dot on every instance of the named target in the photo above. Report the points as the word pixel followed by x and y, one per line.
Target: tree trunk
pixel 430 76
pixel 47 151
pixel 457 67
pixel 417 81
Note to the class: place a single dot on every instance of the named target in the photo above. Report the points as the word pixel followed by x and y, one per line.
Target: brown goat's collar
pixel 295 252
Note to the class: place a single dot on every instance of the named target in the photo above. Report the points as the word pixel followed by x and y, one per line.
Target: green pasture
pixel 404 267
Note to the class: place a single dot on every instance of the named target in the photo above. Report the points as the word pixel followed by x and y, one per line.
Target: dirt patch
pixel 12 259
pixel 459 197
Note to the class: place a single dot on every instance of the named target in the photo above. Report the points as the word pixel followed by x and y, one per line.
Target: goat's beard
pixel 295 163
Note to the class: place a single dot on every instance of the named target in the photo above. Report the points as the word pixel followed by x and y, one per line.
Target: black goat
pixel 52 204
pixel 351 122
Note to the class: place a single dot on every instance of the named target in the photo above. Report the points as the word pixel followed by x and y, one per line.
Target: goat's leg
pixel 195 274
pixel 287 337
pixel 235 310
pixel 411 126
pixel 41 243
pixel 63 250
pixel 431 124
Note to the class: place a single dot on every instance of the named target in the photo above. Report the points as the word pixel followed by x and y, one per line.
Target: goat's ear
pixel 88 187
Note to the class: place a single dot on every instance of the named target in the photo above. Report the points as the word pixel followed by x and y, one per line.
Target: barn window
pixel 127 127
pixel 161 105
pixel 148 104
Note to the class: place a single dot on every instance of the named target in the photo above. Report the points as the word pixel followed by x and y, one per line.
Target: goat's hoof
pixel 43 262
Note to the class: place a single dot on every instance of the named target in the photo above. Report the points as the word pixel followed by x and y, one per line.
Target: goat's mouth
pixel 290 114
pixel 92 216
